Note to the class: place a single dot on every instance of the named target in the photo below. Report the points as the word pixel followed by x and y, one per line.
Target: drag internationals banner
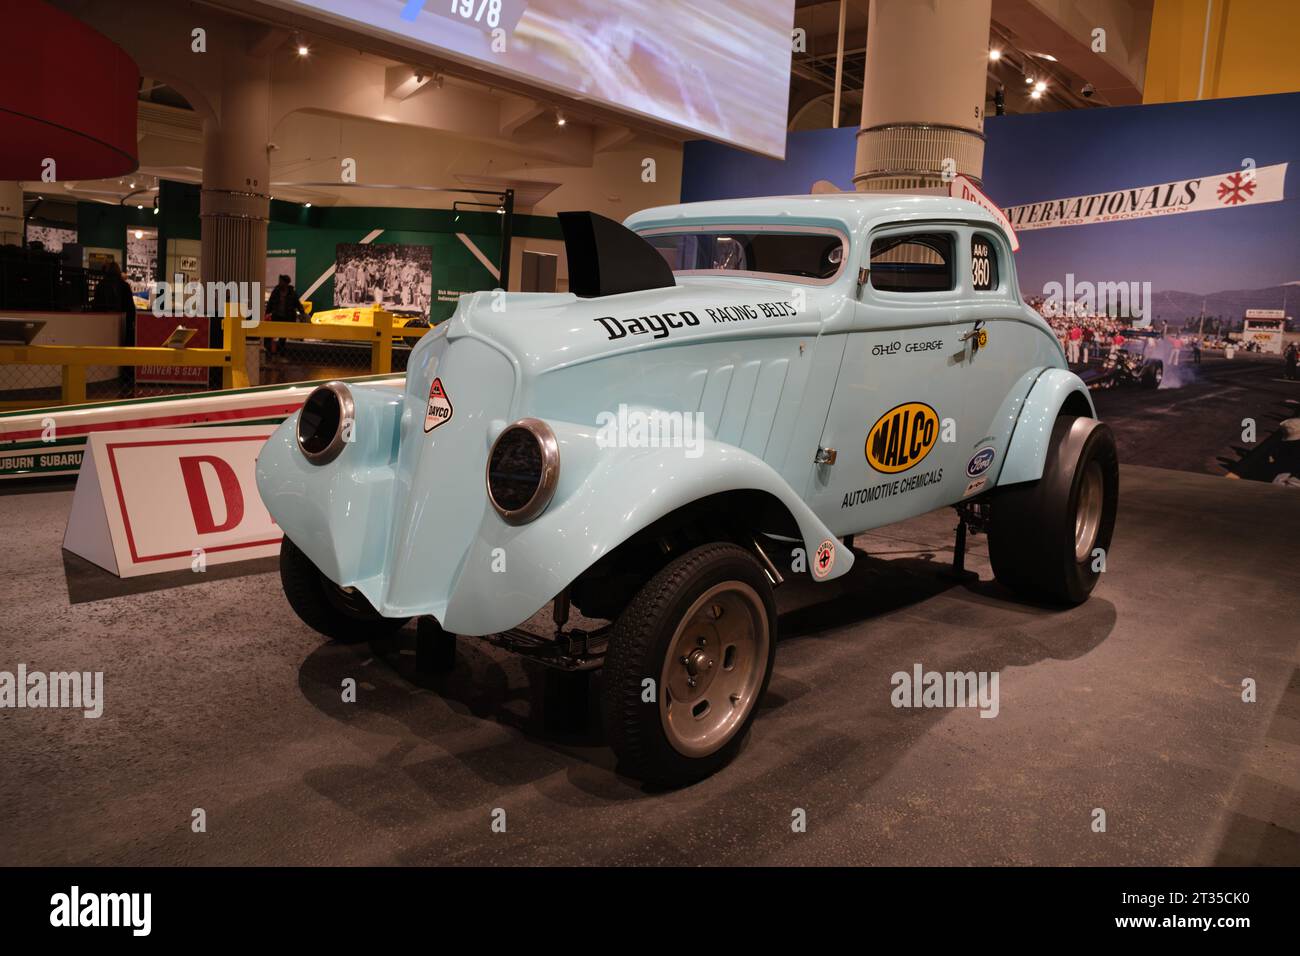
pixel 1242 187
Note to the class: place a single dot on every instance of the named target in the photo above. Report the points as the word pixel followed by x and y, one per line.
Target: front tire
pixel 1044 536
pixel 704 630
pixel 342 614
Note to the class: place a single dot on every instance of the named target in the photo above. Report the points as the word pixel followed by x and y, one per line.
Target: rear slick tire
pixel 1048 539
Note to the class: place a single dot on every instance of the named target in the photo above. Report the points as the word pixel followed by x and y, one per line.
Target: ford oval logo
pixel 980 462
pixel 902 437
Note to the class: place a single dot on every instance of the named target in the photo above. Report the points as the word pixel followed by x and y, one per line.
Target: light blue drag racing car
pixel 727 394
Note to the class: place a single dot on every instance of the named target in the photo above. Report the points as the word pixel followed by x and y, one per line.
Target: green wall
pixel 312 235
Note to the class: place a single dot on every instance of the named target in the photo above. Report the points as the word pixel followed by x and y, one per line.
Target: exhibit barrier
pixel 231 358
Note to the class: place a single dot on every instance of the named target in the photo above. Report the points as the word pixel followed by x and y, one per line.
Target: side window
pixel 912 262
pixel 983 264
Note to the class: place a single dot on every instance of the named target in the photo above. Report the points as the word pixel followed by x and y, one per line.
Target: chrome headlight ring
pixel 327 413
pixel 523 469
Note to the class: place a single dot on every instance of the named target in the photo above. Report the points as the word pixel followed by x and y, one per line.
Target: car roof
pixel 854 211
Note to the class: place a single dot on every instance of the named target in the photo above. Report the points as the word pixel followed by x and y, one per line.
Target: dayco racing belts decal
pixel 900 439
pixel 663 324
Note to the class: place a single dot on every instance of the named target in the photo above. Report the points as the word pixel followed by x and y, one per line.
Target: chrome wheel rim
pixel 1087 516
pixel 715 668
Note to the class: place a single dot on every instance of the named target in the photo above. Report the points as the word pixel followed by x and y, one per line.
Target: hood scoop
pixel 607 258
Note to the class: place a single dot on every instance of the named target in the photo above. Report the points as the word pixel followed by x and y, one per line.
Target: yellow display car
pixel 365 315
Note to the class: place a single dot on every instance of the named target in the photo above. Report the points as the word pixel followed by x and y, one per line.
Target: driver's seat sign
pixel 439 411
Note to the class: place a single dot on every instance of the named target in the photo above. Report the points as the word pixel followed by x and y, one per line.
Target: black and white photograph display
pixel 397 276
pixel 51 238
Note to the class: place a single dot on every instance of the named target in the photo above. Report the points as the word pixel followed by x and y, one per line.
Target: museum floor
pixel 218 698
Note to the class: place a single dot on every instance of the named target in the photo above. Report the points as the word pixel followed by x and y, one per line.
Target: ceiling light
pixel 139 234
pixel 1036 94
pixel 559 118
pixel 155 210
pixel 1045 56
pixel 306 205
pixel 1028 78
pixel 1040 86
pixel 995 54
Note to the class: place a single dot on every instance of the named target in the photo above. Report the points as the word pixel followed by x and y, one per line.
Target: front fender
pixel 605 496
pixel 1027 451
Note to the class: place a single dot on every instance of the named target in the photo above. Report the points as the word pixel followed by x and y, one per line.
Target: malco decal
pixel 902 437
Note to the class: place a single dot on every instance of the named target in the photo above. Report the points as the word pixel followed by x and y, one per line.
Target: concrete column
pixel 923 101
pixel 235 201
pixel 11 214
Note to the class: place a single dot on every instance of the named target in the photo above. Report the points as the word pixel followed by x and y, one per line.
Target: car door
pixel 906 396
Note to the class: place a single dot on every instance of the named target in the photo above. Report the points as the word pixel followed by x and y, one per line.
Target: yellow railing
pixel 230 358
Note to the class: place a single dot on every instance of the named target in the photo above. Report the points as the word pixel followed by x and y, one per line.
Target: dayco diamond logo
pixel 439 412
pixel 902 437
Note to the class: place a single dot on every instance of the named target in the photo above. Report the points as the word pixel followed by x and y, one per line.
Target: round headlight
pixel 321 422
pixel 523 468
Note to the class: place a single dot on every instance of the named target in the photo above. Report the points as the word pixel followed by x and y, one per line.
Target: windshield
pixel 811 255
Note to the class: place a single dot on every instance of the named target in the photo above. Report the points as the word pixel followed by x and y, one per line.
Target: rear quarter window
pixel 983 264
pixel 912 262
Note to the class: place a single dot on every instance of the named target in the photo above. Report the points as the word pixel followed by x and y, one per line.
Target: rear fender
pixel 1027 451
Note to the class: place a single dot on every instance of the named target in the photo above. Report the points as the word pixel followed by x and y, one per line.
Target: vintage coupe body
pixel 849 361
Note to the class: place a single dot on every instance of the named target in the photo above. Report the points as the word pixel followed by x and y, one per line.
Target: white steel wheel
pixel 689 660
pixel 715 666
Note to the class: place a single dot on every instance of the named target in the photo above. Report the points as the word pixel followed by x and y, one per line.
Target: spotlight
pixel 1088 90
pixel 559 118
pixel 306 205
pixel 1040 86
pixel 301 44
pixel 1035 94
pixel 155 210
pixel 139 234
pixel 995 54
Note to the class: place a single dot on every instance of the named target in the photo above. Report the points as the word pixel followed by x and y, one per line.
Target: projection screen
pixel 720 70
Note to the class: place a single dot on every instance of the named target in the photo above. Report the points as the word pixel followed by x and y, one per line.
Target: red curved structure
pixel 68 94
